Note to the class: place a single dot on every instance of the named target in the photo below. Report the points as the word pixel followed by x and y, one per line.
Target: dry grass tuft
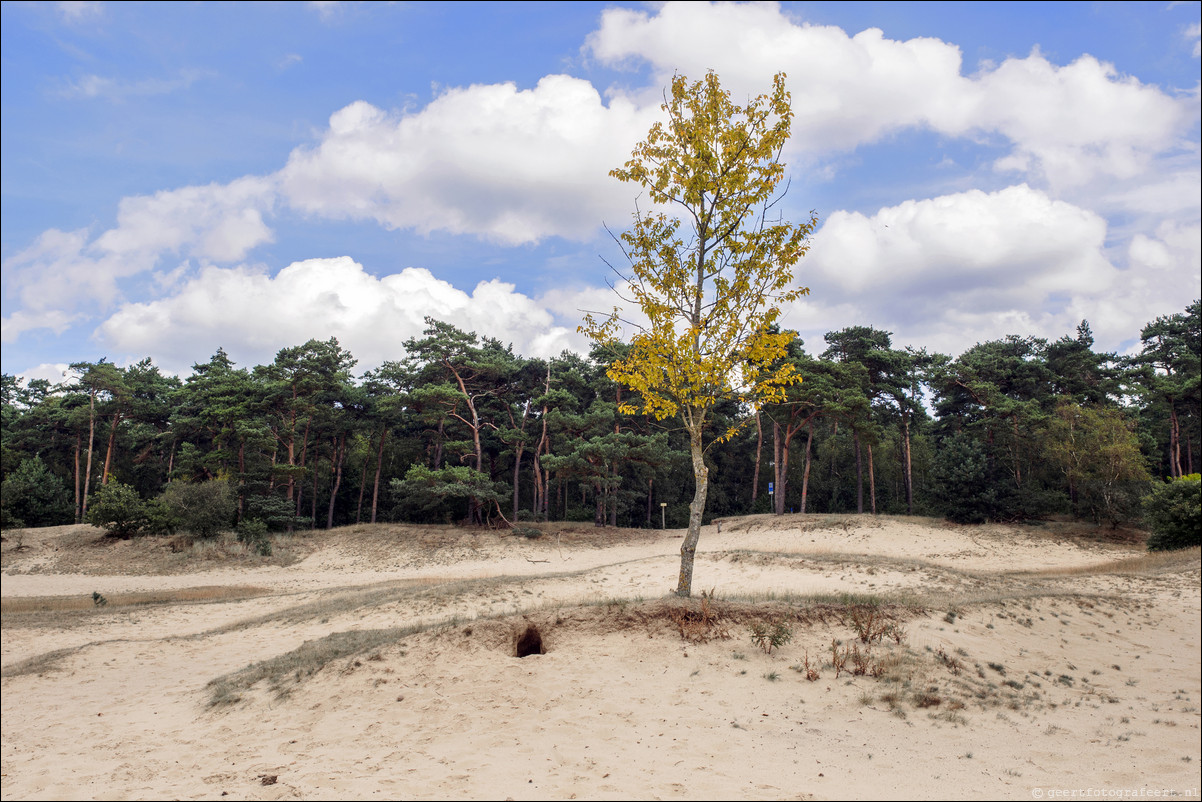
pixel 1148 563
pixel 285 672
pixel 40 664
pixel 45 604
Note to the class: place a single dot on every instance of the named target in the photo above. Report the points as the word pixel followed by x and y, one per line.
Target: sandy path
pixel 1103 671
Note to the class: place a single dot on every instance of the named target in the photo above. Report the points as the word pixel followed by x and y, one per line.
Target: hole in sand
pixel 531 642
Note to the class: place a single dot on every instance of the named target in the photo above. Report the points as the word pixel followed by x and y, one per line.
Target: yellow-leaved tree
pixel 711 275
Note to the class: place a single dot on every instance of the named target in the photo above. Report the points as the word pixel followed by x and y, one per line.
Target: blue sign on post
pixel 771 488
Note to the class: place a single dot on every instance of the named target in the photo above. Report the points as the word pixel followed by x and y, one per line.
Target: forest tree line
pixel 462 429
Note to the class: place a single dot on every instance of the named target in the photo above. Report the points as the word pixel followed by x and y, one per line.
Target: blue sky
pixel 181 177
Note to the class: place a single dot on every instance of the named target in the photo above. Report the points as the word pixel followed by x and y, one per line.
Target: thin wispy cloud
pixel 89 87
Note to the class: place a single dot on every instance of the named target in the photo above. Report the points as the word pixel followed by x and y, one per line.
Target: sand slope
pixel 1029 662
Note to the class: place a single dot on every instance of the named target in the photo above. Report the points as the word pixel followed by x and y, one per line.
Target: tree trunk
pixel 542 487
pixel 536 469
pixel 339 454
pixel 759 448
pixel 871 480
pixel 108 454
pixel 859 476
pixel 778 497
pixel 833 474
pixel 598 506
pixel 241 478
pixel 805 476
pixel 362 491
pixel 87 477
pixel 782 470
pixel 1174 442
pixel 688 549
pixel 78 448
pixel 907 472
pixel 313 501
pixel 517 467
pixel 300 489
pixel 375 490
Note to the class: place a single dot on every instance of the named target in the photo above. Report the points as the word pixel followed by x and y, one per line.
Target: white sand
pixel 1104 671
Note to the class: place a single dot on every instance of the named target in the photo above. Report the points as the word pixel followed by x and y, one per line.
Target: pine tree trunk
pixel 362 493
pixel 778 498
pixel 313 502
pixel 339 453
pixel 782 470
pixel 834 485
pixel 517 467
pixel 908 472
pixel 300 488
pixel 87 477
pixel 805 476
pixel 108 454
pixel 241 478
pixel 1174 442
pixel 375 490
pixel 871 480
pixel 78 448
pixel 859 476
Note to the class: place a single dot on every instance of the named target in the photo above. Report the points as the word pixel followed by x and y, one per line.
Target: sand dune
pixel 378 662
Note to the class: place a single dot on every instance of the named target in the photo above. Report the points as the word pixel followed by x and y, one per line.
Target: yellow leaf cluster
pixel 711 277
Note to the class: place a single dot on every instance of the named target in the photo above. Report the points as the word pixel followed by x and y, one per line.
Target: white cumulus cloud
pixel 1067 124
pixel 949 271
pixel 253 314
pixel 514 166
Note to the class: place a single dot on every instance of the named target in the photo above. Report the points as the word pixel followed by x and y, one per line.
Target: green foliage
pixel 202 508
pixel 1024 427
pixel 117 509
pixel 1097 452
pixel 769 635
pixel 424 490
pixel 962 484
pixel 277 513
pixel 253 533
pixel 1174 514
pixel 160 518
pixel 970 486
pixel 33 496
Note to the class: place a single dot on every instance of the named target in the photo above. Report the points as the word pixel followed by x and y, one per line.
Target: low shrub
pixel 769 635
pixel 33 496
pixel 117 509
pixel 1173 512
pixel 202 508
pixel 253 533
